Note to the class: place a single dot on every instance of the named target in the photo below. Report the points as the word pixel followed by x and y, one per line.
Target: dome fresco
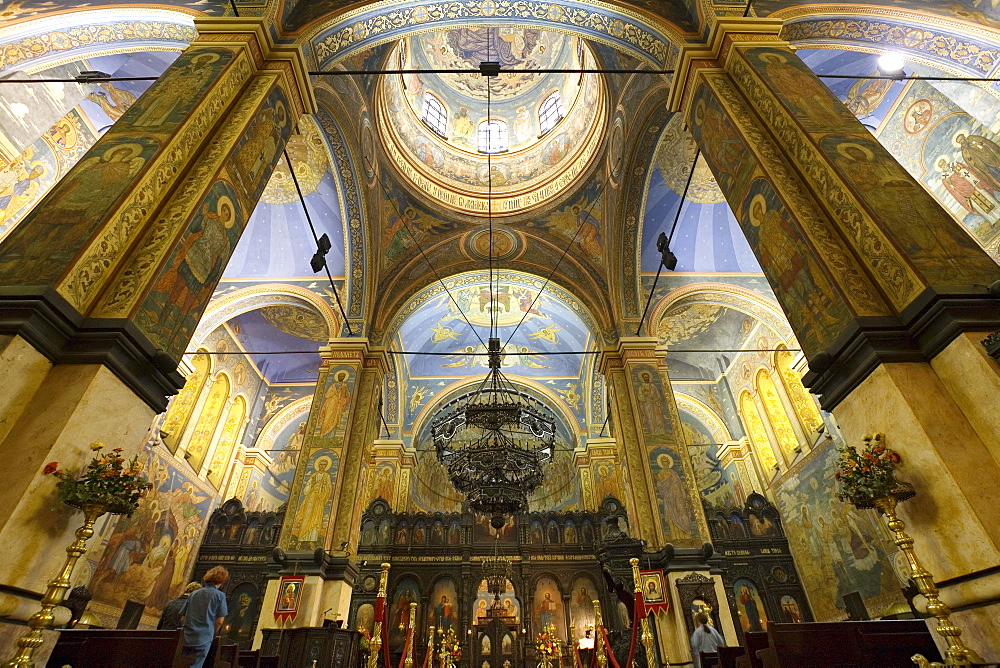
pixel 441 155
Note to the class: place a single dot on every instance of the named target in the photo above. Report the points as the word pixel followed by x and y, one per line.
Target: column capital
pixel 266 53
pixel 629 348
pixel 713 52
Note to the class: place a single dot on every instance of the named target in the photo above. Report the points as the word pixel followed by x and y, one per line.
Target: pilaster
pixel 664 504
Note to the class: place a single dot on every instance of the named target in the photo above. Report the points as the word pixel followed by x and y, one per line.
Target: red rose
pixel 895 458
pixel 51 467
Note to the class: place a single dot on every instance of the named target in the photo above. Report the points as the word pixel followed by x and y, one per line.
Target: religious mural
pixel 149 556
pixel 749 606
pixel 719 485
pixel 672 499
pixel 549 607
pixel 398 612
pixel 837 549
pixel 800 283
pixel 275 484
pixel 581 606
pixel 331 420
pixel 182 290
pixel 312 511
pixel 509 602
pixel 444 605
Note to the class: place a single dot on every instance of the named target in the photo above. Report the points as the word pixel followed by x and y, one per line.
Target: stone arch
pixel 748 301
pixel 249 299
pixel 41 42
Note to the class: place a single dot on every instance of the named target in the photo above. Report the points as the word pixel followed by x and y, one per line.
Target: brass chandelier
pixel 494 444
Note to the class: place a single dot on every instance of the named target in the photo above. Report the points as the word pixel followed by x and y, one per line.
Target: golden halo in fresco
pixel 297 321
pixel 309 157
pixel 673 157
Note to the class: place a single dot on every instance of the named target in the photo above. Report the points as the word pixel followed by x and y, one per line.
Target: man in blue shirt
pixel 206 610
pixel 704 639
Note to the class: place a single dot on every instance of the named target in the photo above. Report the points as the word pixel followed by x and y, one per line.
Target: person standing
pixel 172 616
pixel 704 639
pixel 203 618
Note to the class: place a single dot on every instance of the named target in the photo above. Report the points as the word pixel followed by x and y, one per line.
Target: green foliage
pixel 867 473
pixel 108 480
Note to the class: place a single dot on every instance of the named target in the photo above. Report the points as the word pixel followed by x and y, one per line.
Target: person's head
pixel 216 576
pixel 192 586
pixel 701 618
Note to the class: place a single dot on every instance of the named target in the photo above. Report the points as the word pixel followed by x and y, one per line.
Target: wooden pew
pixel 708 659
pixel 115 648
pixel 755 641
pixel 868 644
pixel 227 657
pixel 268 662
pixel 729 655
pixel 250 659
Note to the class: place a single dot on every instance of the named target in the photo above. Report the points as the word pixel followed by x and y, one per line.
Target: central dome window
pixel 493 137
pixel 540 132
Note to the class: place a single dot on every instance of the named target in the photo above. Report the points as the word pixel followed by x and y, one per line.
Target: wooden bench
pixel 115 648
pixel 868 644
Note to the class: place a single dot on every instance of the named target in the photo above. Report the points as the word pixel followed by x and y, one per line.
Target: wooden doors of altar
pixel 497 643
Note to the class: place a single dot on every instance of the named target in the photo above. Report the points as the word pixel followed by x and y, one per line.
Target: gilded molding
pixel 92 269
pixel 886 263
pixel 121 301
pixel 613 25
pixel 856 289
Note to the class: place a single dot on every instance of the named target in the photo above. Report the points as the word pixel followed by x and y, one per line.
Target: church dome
pixel 541 131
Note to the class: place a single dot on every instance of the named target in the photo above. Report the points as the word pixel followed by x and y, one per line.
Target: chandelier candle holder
pixel 495 444
pixel 867 479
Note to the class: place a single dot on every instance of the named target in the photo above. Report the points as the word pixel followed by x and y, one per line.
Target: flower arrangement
pixel 450 646
pixel 546 641
pixel 867 473
pixel 366 639
pixel 108 480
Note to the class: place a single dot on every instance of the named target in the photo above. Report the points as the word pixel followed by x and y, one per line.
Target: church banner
pixel 289 594
pixel 654 591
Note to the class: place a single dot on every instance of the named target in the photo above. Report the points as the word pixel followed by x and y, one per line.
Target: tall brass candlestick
pixel 408 661
pixel 602 659
pixel 957 653
pixel 646 636
pixel 55 593
pixel 430 647
pixel 376 642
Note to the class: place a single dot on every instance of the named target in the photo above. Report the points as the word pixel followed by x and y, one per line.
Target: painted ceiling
pixel 451 169
pixel 282 342
pixel 537 334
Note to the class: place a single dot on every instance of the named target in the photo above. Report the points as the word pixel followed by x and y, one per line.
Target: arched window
pixel 208 422
pixel 434 114
pixel 227 441
pixel 179 413
pixel 493 137
pixel 758 435
pixel 550 112
pixel 781 426
pixel 802 402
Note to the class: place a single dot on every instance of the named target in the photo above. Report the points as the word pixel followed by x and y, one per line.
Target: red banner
pixel 286 607
pixel 655 595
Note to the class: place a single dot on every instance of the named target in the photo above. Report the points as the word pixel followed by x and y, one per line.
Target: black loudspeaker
pixel 856 610
pixel 131 615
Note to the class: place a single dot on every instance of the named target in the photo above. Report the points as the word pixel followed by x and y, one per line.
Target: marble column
pixel 888 295
pixel 102 283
